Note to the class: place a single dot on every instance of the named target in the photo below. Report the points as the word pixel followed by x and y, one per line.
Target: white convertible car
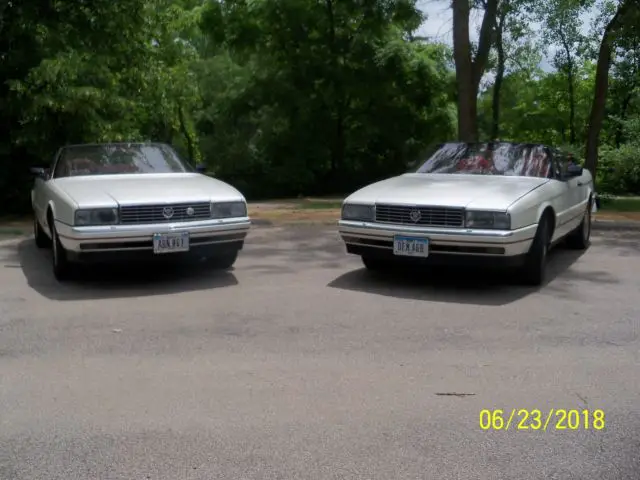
pixel 131 201
pixel 493 204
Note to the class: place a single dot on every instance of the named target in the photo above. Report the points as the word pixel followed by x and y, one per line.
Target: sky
pixel 438 25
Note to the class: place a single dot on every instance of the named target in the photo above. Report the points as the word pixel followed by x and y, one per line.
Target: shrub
pixel 619 170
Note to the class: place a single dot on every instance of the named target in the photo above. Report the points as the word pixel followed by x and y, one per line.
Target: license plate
pixel 170 242
pixel 411 246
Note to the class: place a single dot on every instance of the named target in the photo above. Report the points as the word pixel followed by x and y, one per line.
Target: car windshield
pixel 497 158
pixel 118 159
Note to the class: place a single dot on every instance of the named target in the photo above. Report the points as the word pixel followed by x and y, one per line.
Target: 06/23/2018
pixel 554 419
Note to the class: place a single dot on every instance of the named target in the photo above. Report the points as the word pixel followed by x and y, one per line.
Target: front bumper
pixel 136 241
pixel 446 245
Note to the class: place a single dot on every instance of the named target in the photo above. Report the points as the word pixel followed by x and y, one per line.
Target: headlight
pixel 353 211
pixel 96 216
pixel 228 209
pixel 489 220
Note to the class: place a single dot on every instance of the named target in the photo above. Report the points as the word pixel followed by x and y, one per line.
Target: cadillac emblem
pixel 190 211
pixel 415 215
pixel 167 212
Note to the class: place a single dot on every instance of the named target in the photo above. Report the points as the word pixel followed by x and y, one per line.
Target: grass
pixel 319 204
pixel 620 204
pixel 15 225
pixel 11 232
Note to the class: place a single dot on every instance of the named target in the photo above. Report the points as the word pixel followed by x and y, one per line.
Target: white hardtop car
pixel 131 201
pixel 493 204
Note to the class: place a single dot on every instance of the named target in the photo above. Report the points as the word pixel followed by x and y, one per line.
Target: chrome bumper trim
pixel 366 234
pixel 72 238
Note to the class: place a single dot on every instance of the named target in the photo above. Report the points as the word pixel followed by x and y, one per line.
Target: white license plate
pixel 411 246
pixel 170 242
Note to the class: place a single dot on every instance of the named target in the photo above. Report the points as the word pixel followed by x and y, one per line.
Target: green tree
pixel 469 66
pixel 515 49
pixel 296 113
pixel 562 29
pixel 623 24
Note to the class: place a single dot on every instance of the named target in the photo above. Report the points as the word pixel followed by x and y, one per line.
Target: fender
pixel 63 197
pixel 50 206
pixel 542 207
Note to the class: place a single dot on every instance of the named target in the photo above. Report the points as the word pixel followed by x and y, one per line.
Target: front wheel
pixel 535 266
pixel 61 265
pixel 42 241
pixel 580 238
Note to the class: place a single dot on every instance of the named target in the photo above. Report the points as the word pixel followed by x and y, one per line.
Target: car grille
pixel 429 216
pixel 137 214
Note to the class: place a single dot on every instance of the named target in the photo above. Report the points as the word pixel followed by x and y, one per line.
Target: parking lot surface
pixel 300 365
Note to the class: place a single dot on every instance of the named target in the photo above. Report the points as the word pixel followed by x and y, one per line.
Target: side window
pixel 61 167
pixel 563 163
pixel 559 164
pixel 52 165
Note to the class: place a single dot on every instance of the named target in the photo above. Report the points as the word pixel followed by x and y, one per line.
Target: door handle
pixel 580 184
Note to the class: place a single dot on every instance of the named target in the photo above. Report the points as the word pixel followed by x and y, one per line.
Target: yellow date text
pixel 553 419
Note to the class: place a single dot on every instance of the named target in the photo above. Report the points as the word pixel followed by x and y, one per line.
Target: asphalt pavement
pixel 298 364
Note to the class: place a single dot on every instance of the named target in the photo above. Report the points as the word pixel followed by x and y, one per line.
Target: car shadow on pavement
pixel 116 281
pixel 456 285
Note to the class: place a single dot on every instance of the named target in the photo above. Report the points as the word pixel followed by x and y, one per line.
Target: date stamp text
pixel 554 419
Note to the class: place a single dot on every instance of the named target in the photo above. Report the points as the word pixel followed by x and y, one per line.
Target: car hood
pixel 140 189
pixel 491 192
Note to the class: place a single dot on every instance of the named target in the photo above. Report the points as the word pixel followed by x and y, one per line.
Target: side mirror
pixel 574 171
pixel 201 168
pixel 39 172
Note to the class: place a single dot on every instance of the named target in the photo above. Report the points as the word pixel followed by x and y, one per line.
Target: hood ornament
pixel 167 212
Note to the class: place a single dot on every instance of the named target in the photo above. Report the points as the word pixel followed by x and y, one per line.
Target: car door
pixel 572 188
pixel 582 183
pixel 562 199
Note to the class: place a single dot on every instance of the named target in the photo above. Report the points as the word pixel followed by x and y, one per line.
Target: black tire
pixel 580 238
pixel 42 240
pixel 223 262
pixel 535 266
pixel 375 264
pixel 60 262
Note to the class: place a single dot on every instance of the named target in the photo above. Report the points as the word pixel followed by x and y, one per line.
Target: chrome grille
pixel 429 216
pixel 137 214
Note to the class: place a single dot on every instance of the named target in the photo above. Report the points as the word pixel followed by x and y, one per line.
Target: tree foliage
pixel 289 97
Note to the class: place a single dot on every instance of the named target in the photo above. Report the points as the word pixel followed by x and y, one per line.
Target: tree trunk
pixel 484 42
pixel 497 85
pixel 467 104
pixel 601 86
pixel 572 104
pixel 187 136
pixel 469 71
pixel 337 148
pixel 570 89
